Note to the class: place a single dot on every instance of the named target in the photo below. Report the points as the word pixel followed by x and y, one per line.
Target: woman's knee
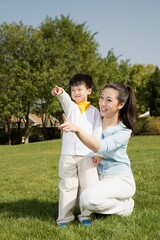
pixel 87 199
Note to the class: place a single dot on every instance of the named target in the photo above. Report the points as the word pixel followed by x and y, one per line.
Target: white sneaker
pixel 129 208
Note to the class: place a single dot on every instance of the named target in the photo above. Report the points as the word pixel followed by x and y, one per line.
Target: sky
pixel 130 27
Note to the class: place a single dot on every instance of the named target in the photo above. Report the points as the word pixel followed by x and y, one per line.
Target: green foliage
pixel 20 57
pixel 29 195
pixel 139 78
pixel 32 61
pixel 140 123
pixel 70 48
pixel 150 125
pixel 154 96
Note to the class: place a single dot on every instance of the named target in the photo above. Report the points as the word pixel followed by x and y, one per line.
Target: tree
pixel 32 61
pixel 154 96
pixel 20 61
pixel 70 48
pixel 139 79
pixel 9 100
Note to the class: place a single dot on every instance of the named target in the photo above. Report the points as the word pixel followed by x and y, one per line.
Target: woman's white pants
pixel 111 195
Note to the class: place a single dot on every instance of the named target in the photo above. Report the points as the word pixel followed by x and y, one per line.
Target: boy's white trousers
pixel 75 173
pixel 111 195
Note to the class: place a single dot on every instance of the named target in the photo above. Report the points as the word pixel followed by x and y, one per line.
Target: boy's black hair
pixel 81 78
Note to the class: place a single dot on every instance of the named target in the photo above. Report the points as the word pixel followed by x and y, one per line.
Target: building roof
pixel 33 118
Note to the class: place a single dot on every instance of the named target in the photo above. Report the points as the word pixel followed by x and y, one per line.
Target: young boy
pixel 76 168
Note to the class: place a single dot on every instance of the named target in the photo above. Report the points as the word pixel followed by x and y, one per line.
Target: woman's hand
pixel 96 160
pixel 88 140
pixel 67 126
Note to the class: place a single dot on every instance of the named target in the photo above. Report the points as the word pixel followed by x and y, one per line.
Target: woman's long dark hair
pixel 128 112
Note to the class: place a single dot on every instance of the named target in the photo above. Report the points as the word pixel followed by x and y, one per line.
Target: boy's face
pixel 80 93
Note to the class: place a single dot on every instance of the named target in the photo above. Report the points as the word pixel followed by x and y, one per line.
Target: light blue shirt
pixel 113 148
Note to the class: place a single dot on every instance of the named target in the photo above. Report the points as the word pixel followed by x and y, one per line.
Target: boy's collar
pixel 83 106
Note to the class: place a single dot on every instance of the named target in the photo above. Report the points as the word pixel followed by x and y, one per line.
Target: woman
pixel 113 193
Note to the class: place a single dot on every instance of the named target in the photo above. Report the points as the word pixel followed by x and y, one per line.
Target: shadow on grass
pixel 30 208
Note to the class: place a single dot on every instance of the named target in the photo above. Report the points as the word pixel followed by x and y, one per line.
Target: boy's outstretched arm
pixel 63 97
pixel 56 91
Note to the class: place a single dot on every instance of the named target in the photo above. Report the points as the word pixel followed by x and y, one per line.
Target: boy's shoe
pixel 63 225
pixel 86 222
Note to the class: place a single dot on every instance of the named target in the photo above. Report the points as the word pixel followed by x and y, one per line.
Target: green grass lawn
pixel 29 195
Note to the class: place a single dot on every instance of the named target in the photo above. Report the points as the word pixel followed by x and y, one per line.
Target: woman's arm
pixel 89 141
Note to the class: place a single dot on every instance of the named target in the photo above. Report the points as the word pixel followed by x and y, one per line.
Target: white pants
pixel 111 195
pixel 75 173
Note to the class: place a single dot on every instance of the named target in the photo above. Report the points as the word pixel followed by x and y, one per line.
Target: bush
pixel 35 138
pixel 149 125
pixel 140 125
pixel 3 137
pixel 152 125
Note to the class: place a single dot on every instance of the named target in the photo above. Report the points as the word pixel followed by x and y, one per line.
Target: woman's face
pixel 108 103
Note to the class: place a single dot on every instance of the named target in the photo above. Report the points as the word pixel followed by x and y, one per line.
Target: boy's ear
pixel 89 90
